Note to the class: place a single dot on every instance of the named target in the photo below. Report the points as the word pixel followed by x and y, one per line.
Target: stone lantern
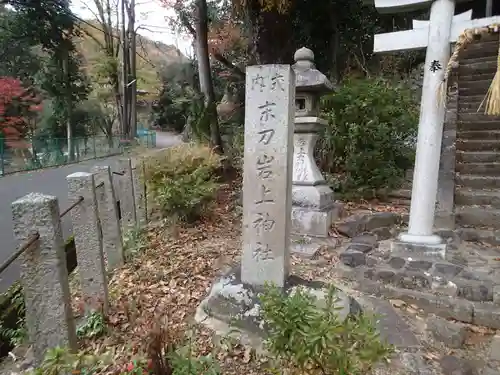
pixel 313 208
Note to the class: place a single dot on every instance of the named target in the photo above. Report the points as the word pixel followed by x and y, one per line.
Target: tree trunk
pixel 69 104
pixel 106 11
pixel 269 29
pixel 334 44
pixel 124 73
pixel 489 8
pixel 206 84
pixel 133 69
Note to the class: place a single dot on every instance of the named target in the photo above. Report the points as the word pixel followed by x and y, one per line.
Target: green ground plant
pixel 306 336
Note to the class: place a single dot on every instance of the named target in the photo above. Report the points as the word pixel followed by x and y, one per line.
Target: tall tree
pixel 197 13
pixel 18 54
pixel 205 73
pixel 63 80
pixel 132 66
pixel 52 24
pixel 108 73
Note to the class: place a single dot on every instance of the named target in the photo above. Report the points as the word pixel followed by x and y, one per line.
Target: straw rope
pixel 466 38
pixel 492 98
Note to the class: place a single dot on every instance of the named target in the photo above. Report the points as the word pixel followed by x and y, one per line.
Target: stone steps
pixel 478 145
pixel 477 182
pixel 471 104
pixel 479 134
pixel 466 92
pixel 477 190
pixel 477 197
pixel 476 84
pixel 477 156
pixel 484 65
pixel 478 50
pixel 480 216
pixel 476 77
pixel 488 236
pixel 481 169
pixel 478 125
pixel 473 107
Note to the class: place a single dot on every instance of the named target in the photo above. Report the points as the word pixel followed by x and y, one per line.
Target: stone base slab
pixel 307 247
pixel 313 196
pixel 305 250
pixel 427 250
pixel 444 220
pixel 315 223
pixel 233 308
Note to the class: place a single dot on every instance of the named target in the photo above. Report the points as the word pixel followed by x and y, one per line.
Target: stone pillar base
pixel 233 308
pixel 419 249
pixel 314 222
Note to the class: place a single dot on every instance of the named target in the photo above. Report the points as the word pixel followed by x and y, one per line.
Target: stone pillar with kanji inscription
pixel 267 174
pixel 313 201
pixel 234 301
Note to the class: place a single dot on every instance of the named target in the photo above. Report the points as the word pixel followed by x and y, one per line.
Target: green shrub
pixel 308 337
pixel 370 135
pixel 94 326
pixel 59 361
pixel 134 241
pixel 182 180
pixel 12 317
pixel 183 362
pixel 172 108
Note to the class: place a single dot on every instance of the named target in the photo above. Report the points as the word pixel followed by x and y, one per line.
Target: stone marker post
pixel 140 193
pixel 267 176
pixel 108 216
pixel 88 241
pixel 44 275
pixel 127 196
pixel 313 201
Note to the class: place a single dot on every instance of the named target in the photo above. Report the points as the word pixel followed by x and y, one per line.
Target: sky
pixel 150 15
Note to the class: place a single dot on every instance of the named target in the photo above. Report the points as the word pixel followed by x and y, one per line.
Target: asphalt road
pixel 50 181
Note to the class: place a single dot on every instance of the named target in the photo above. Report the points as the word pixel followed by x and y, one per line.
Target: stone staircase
pixel 477 182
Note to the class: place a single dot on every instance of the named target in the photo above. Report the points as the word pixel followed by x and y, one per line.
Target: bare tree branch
pixel 228 64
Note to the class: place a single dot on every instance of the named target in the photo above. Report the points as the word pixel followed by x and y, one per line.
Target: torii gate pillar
pixel 430 130
pixel 437 35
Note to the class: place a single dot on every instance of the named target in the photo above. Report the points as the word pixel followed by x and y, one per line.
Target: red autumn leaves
pixel 17 105
pixel 140 368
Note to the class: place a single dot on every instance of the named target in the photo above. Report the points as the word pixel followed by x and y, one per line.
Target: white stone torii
pixel 397 6
pixel 418 38
pixel 437 34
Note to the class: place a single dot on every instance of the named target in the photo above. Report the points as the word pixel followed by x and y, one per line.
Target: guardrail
pixel 97 230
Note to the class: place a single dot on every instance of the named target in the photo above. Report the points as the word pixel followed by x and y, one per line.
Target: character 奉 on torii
pixel 437 35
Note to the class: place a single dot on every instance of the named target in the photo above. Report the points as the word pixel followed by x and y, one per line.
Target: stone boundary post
pixel 127 197
pixel 140 193
pixel 88 241
pixel 108 216
pixel 44 275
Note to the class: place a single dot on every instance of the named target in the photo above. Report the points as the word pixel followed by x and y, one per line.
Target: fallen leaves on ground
pixel 375 205
pixel 167 282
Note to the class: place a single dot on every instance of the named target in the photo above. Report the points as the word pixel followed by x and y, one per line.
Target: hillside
pixel 151 56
